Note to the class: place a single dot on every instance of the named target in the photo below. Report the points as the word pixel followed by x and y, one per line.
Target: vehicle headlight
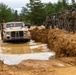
pixel 8 33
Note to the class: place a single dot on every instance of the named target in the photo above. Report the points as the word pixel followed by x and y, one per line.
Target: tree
pixel 15 15
pixel 49 9
pixel 35 12
pixel 5 13
pixel 24 15
pixel 65 3
pixel 73 2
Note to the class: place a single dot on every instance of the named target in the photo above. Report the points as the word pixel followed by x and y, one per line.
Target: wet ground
pixel 14 52
pixel 39 63
pixel 23 48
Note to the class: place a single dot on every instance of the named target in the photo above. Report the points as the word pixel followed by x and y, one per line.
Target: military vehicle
pixel 14 31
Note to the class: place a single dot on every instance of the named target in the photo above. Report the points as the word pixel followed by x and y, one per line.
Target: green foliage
pixel 35 12
pixel 5 13
pixel 73 3
pixel 49 9
pixel 24 15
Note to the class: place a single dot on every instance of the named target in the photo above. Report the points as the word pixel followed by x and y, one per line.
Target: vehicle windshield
pixel 10 25
pixel 19 25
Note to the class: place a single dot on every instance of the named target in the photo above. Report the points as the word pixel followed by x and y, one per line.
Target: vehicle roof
pixel 12 22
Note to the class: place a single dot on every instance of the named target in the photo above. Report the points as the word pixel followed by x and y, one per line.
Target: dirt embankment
pixel 60 41
pixel 39 35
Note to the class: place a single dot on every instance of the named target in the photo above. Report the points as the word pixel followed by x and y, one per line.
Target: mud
pixel 39 35
pixel 39 67
pixel 60 41
pixel 23 48
pixel 14 53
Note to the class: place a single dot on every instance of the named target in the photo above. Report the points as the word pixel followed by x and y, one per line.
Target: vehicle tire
pixel 1 36
pixel 28 40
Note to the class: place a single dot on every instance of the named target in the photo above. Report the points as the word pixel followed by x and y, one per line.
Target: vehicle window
pixel 19 25
pixel 10 25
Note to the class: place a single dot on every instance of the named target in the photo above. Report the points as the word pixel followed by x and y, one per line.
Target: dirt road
pixel 37 67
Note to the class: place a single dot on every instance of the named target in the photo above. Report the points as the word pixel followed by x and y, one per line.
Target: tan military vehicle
pixel 14 31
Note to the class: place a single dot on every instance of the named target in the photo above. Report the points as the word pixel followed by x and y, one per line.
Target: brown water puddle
pixel 12 53
pixel 23 48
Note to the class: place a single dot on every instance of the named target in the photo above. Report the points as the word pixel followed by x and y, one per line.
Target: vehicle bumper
pixel 18 39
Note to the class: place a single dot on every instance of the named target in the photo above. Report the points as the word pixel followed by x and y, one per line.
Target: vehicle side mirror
pixel 27 25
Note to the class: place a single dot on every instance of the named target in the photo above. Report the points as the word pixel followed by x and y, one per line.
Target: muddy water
pixel 23 48
pixel 14 53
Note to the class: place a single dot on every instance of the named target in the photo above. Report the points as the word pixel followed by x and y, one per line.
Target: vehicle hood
pixel 16 29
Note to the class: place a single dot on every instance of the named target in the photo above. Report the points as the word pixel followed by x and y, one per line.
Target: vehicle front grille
pixel 17 34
